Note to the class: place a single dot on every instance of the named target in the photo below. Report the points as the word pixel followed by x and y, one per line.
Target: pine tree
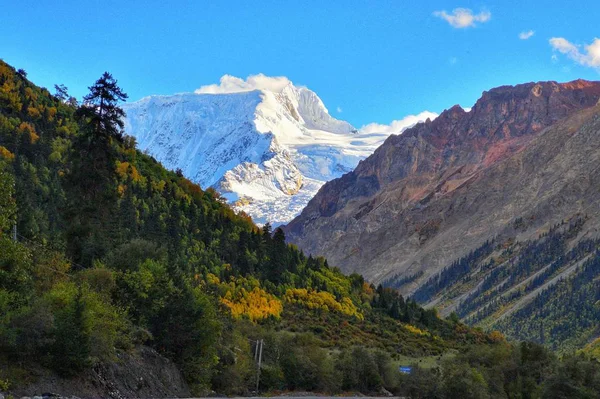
pixel 91 183
pixel 62 92
pixel 71 348
pixel 267 231
pixel 100 108
pixel 128 212
pixel 7 201
pixel 278 261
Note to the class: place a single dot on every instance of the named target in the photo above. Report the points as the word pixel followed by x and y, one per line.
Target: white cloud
pixel 453 60
pixel 590 56
pixel 232 84
pixel 463 17
pixel 526 34
pixel 398 126
pixel 339 109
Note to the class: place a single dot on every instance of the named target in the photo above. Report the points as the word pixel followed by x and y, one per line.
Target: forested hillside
pixel 544 289
pixel 103 251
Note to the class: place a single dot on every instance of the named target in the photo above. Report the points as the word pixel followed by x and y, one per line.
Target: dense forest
pixel 103 250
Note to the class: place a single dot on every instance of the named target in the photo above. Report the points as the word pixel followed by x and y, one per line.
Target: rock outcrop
pixel 144 373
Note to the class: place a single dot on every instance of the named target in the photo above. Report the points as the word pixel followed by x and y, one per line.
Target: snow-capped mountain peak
pixel 264 143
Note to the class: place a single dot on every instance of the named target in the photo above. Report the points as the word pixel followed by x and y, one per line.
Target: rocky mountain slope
pixel 266 149
pixel 470 195
pixel 141 373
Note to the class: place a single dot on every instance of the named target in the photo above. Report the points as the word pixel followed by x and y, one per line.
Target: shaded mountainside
pixel 469 195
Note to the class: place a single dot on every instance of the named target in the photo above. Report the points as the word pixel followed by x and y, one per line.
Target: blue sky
pixel 375 60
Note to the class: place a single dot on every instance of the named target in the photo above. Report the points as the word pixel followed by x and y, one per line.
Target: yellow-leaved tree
pixel 321 300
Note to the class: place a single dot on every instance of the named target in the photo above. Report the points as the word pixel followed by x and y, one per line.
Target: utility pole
pixel 260 351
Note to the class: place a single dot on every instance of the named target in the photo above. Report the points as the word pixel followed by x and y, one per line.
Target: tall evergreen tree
pixel 91 183
pixel 71 347
pixel 61 92
pixel 100 108
pixel 7 201
pixel 128 212
pixel 278 261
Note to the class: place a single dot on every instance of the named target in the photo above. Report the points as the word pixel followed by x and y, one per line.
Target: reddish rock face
pixel 394 191
pixel 499 124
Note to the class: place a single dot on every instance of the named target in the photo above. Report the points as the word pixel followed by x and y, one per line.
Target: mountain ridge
pixel 451 159
pixel 267 151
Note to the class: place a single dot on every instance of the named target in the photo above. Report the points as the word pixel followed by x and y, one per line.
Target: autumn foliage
pixel 321 300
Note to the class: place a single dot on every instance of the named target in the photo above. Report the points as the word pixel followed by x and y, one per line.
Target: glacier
pixel 267 150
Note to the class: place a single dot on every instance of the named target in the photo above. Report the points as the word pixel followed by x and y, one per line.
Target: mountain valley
pixel 458 211
pixel 295 200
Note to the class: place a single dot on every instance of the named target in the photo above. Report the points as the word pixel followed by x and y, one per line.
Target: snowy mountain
pixel 265 144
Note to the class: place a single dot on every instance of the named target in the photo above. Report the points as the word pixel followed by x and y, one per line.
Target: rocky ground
pixel 141 374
